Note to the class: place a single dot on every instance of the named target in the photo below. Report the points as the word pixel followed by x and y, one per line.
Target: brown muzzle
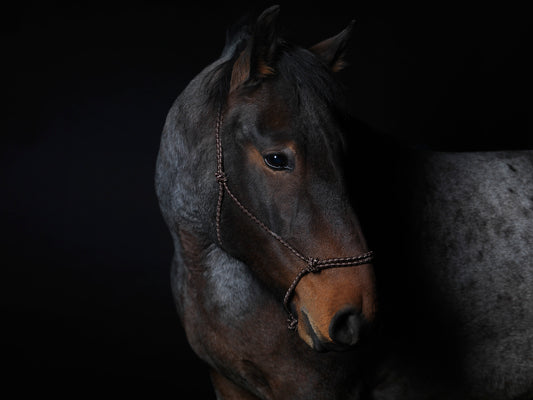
pixel 335 307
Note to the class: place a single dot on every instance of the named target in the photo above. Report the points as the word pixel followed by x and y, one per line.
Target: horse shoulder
pixel 210 287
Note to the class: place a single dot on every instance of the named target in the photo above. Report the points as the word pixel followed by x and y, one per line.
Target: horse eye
pixel 277 161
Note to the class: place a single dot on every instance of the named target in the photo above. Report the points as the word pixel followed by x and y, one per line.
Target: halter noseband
pixel 313 265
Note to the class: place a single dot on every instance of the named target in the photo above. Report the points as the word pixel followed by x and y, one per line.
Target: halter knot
pixel 292 322
pixel 221 177
pixel 312 265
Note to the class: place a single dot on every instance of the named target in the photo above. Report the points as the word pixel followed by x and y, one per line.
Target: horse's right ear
pixel 257 59
pixel 333 50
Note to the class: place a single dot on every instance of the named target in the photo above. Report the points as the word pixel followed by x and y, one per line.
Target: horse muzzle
pixel 336 309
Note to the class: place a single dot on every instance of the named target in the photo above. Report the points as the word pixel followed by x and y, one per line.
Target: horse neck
pixel 185 180
pixel 215 280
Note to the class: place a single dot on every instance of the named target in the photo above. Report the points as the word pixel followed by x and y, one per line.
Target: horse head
pixel 281 135
pixel 278 117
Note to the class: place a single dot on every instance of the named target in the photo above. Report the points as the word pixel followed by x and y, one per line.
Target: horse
pixel 272 276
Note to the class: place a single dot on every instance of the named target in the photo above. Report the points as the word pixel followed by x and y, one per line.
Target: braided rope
pixel 221 177
pixel 313 265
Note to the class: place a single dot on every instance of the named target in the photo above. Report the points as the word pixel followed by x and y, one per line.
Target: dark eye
pixel 277 161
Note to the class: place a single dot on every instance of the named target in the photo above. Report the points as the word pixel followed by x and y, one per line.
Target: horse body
pixel 456 277
pixel 473 214
pixel 467 242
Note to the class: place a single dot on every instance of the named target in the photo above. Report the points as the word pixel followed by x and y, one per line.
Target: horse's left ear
pixel 257 59
pixel 333 50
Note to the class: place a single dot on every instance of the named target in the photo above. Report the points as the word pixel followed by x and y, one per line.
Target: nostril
pixel 345 326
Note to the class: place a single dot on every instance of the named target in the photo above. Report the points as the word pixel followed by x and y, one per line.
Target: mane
pixel 310 79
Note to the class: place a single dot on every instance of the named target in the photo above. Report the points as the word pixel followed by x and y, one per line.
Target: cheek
pixel 278 197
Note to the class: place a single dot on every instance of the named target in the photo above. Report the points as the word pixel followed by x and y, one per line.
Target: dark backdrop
pixel 86 302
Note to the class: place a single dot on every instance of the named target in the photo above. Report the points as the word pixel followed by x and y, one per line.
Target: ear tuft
pixel 333 50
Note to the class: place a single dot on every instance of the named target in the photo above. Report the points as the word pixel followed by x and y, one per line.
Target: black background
pixel 86 297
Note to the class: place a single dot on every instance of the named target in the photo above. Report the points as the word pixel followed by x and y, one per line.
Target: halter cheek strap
pixel 313 265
